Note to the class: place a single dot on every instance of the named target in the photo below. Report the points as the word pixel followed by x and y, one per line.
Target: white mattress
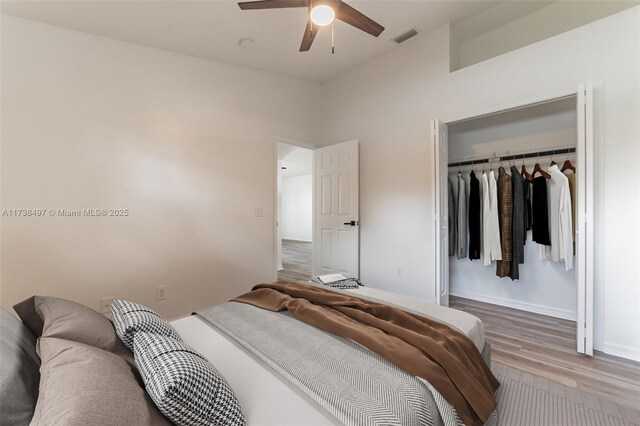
pixel 267 398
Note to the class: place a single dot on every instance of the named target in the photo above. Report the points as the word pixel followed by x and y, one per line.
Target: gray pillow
pixel 185 386
pixel 130 318
pixel 82 385
pixel 55 317
pixel 19 371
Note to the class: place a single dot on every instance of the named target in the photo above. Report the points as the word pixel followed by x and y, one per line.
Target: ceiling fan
pixel 321 13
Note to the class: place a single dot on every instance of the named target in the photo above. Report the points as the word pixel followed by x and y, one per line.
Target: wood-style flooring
pixel 546 347
pixel 296 261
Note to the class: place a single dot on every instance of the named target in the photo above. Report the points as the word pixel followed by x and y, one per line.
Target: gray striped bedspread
pixel 352 383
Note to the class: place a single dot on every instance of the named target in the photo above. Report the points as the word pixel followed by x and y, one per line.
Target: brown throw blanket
pixel 420 346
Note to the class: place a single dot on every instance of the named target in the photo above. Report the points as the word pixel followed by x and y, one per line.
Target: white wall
pixel 543 287
pixel 297 208
pixel 388 103
pixel 535 128
pixel 555 18
pixel 187 145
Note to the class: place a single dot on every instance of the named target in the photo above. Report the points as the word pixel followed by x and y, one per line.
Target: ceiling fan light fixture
pixel 322 15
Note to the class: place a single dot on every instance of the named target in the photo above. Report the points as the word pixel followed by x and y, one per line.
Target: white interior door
pixel 441 212
pixel 336 233
pixel 584 217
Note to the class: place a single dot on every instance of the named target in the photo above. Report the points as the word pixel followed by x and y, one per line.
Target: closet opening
pixel 512 191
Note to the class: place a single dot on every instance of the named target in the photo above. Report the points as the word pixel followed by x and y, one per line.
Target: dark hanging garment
pixel 452 221
pixel 474 217
pixel 505 215
pixel 517 245
pixel 528 219
pixel 540 212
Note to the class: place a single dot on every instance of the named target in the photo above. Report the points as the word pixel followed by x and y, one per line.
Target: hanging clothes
pixel 560 227
pixel 540 212
pixel 505 211
pixel 474 217
pixel 452 221
pixel 481 214
pixel 518 219
pixel 528 215
pixel 572 193
pixel 462 218
pixel 491 249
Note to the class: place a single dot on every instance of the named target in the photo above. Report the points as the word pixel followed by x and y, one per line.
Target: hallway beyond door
pixel 296 261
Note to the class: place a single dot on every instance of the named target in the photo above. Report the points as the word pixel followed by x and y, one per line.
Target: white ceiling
pixel 212 29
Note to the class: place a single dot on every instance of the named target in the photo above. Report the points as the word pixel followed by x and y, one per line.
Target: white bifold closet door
pixel 584 215
pixel 440 151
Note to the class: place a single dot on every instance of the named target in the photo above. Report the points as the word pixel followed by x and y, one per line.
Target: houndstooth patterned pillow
pixel 130 318
pixel 185 386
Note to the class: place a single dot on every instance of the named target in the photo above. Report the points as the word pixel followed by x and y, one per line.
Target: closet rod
pixel 514 157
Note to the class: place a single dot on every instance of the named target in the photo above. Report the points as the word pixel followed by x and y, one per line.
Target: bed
pixel 262 391
pixel 281 354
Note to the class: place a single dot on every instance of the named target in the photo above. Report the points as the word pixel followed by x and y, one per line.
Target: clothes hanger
pixel 567 165
pixel 538 169
pixel 524 172
pixel 553 163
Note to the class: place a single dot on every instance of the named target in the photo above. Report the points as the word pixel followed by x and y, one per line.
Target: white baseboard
pixel 623 351
pixel 523 306
pixel 280 268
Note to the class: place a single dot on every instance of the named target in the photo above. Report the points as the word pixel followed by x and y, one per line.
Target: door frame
pixel 300 144
pixel 584 339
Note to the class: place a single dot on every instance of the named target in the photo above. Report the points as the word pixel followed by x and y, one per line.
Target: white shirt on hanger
pixel 462 218
pixel 560 230
pixel 491 248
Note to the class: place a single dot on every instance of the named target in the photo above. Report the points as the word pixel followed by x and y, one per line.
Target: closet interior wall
pixel 544 287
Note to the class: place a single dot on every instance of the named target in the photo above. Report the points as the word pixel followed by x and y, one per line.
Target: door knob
pixel 352 223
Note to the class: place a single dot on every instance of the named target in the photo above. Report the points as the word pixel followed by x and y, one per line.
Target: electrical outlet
pixel 105 305
pixel 161 293
pixel 259 212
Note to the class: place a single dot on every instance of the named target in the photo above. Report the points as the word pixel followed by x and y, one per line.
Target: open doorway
pixel 295 212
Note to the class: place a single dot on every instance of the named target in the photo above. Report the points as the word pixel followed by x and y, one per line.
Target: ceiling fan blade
pixel 272 4
pixel 310 32
pixel 348 14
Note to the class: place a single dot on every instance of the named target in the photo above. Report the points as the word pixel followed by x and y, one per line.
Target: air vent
pixel 406 36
